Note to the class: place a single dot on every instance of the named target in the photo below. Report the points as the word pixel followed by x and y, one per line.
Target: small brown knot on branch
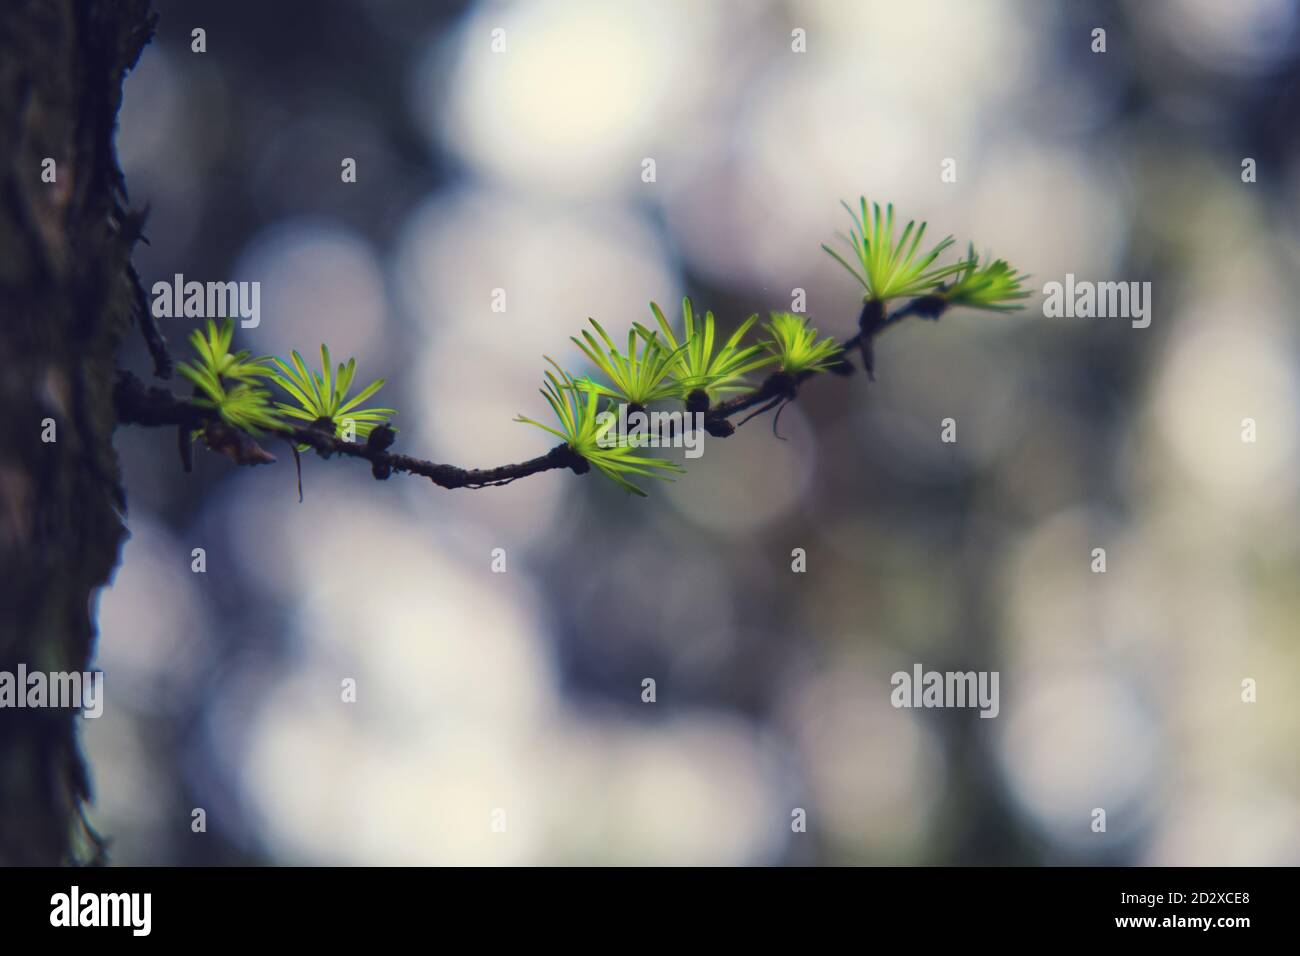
pixel 697 402
pixel 782 384
pixel 778 389
pixel 928 306
pixel 236 445
pixel 380 440
pixel 718 427
pixel 320 435
pixel 566 457
pixel 715 423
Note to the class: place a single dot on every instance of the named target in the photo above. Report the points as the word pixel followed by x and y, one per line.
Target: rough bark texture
pixel 66 300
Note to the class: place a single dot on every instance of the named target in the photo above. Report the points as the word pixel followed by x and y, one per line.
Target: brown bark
pixel 66 300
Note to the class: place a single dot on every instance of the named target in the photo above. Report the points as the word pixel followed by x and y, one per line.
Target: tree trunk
pixel 67 297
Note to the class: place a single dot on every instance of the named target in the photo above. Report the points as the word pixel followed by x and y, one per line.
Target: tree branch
pixel 138 404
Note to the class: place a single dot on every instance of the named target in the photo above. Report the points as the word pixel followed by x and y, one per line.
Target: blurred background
pixel 522 170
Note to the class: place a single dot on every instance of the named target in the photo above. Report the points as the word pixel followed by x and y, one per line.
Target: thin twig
pixel 138 404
